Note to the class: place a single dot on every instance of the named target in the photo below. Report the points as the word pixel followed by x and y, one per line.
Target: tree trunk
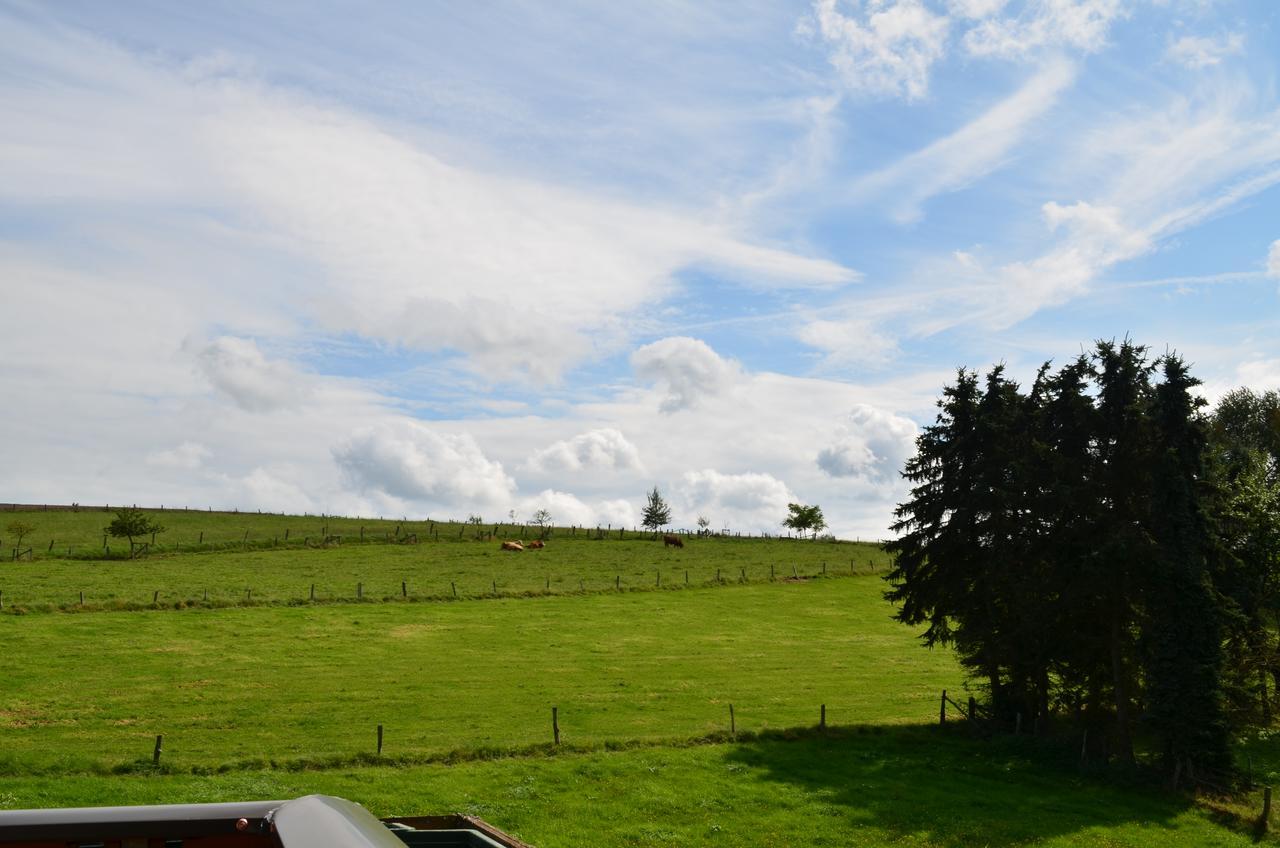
pixel 1120 681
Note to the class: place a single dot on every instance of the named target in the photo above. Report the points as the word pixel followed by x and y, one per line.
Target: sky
pixel 436 259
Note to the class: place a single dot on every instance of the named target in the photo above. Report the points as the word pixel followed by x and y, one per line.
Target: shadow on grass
pixel 942 787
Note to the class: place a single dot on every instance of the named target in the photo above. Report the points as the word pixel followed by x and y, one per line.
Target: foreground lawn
pixel 425 571
pixel 88 692
pixel 867 787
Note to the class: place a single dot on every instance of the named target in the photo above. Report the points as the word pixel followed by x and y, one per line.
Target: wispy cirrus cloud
pixel 969 153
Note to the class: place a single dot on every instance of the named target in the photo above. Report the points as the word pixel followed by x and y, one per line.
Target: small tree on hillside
pixel 130 523
pixel 704 525
pixel 805 519
pixel 542 520
pixel 656 513
pixel 19 529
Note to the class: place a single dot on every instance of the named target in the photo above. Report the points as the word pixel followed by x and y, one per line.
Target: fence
pixel 400 591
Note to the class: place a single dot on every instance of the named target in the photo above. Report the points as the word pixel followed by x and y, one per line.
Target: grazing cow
pixel 669 541
pixel 512 546
pixel 537 543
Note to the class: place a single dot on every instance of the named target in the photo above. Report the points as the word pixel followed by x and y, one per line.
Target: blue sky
pixel 442 259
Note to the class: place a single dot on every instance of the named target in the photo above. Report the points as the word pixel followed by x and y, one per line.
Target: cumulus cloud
pixel 871 444
pixel 885 49
pixel 568 510
pixel 407 459
pixel 734 500
pixel 1273 259
pixel 188 455
pixel 688 369
pixel 1196 52
pixel 237 368
pixel 605 449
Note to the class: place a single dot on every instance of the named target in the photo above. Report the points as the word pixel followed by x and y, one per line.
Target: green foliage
pixel 131 523
pixel 21 529
pixel 656 513
pixel 805 519
pixel 1061 541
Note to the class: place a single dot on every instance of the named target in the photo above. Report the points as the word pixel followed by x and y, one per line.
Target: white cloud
pixel 1273 259
pixel 886 50
pixel 188 455
pixel 688 369
pixel 734 500
pixel 1079 24
pixel 604 449
pixel 260 489
pixel 1196 51
pixel 238 369
pixel 1259 374
pixel 971 152
pixel 354 226
pixel 849 341
pixel 871 445
pixel 409 460
pixel 976 8
pixel 568 510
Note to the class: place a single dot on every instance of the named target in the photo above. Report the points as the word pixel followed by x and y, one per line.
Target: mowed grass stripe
pixel 289 682
pixel 424 571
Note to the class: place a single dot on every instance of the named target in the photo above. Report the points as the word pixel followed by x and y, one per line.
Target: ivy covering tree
pixel 1068 542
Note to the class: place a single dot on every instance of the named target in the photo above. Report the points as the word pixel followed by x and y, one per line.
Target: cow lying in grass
pixel 669 541
pixel 512 546
pixel 537 543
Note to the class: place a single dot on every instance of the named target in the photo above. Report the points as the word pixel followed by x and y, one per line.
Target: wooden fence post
pixel 379 740
pixel 822 718
pixel 555 724
pixel 404 588
pixel 155 755
pixel 733 723
pixel 1264 823
pixel 942 708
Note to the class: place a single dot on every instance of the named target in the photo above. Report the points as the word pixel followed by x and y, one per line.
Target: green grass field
pixel 279 697
pixel 226 571
pixel 281 683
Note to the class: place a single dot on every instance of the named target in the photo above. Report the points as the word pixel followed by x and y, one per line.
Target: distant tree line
pixel 1099 551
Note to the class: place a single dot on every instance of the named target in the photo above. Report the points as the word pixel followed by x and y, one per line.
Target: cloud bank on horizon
pixel 453 260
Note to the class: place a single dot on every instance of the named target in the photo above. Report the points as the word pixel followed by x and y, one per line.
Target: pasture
pixel 272 695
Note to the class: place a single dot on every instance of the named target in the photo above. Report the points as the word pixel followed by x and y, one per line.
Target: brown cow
pixel 669 541
pixel 537 543
pixel 512 546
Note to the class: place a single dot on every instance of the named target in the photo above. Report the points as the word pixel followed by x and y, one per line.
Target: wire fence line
pixel 429 591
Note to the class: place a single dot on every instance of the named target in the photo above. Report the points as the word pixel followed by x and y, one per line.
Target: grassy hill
pixel 271 695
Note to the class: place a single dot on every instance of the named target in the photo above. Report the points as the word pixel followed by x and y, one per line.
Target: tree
pixel 20 529
pixel 1072 545
pixel 130 523
pixel 805 519
pixel 656 514
pixel 704 525
pixel 542 519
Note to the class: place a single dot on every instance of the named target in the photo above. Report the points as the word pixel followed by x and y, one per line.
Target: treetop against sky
pixel 451 259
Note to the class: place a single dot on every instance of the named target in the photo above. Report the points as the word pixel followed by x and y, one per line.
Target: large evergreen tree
pixel 1067 542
